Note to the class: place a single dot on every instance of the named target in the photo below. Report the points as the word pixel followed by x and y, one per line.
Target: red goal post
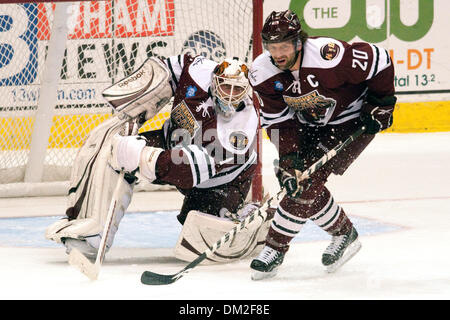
pixel 57 56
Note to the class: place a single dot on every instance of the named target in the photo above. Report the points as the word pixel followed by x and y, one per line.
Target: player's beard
pixel 290 61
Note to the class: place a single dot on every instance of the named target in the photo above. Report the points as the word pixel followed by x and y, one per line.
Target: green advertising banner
pixel 414 31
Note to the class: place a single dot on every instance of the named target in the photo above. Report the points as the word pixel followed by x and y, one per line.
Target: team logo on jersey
pixel 238 140
pixel 203 107
pixel 182 118
pixel 278 86
pixel 191 90
pixel 312 105
pixel 329 51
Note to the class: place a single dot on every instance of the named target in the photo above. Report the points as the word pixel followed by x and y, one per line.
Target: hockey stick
pixel 152 278
pixel 78 260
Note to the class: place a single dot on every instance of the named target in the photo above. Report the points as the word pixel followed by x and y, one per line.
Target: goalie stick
pixel 152 278
pixel 78 260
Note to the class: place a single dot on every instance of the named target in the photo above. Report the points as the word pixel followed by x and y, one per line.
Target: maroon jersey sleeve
pixel 369 64
pixel 176 66
pixel 189 165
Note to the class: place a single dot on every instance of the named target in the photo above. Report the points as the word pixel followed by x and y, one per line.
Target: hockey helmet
pixel 281 26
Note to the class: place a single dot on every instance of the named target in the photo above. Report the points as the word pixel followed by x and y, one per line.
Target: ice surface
pixel 397 193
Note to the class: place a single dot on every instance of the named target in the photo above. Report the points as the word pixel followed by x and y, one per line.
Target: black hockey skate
pixel 266 264
pixel 341 249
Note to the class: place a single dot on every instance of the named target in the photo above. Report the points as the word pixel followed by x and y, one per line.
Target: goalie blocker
pixel 93 180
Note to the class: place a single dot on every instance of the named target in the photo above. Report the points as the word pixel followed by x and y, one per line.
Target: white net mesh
pixel 106 40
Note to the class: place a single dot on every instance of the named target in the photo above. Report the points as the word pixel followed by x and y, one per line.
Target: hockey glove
pixel 376 113
pixel 285 172
pixel 287 180
pixel 126 152
pixel 242 213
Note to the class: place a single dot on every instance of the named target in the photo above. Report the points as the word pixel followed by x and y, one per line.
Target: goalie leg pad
pixel 93 182
pixel 200 231
pixel 89 224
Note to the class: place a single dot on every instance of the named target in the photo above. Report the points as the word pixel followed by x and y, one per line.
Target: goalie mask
pixel 229 87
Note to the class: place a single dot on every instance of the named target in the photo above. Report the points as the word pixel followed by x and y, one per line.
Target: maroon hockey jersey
pixel 329 88
pixel 203 149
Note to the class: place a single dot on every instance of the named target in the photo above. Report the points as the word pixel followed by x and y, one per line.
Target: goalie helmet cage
pixel 56 57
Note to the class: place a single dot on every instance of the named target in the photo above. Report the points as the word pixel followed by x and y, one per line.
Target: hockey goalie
pixel 206 149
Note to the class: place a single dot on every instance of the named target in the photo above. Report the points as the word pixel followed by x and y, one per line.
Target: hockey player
pixel 206 150
pixel 314 93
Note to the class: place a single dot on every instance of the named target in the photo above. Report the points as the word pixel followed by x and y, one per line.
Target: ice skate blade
pixel 258 275
pixel 348 254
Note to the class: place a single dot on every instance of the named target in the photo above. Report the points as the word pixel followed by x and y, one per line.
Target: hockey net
pixel 56 57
